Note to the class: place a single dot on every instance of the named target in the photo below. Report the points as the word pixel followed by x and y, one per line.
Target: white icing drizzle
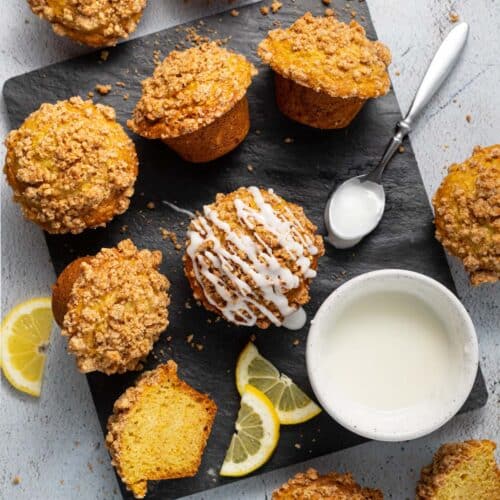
pixel 272 280
pixel 179 209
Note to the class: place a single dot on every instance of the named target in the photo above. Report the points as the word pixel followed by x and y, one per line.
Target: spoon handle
pixel 440 67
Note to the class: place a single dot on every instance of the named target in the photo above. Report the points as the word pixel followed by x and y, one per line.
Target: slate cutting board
pixel 303 170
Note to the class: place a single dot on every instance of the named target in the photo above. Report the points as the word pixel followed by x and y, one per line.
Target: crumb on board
pixel 288 140
pixel 264 10
pixel 189 338
pixel 326 2
pixel 235 13
pixel 250 167
pixel 329 12
pixel 120 84
pixel 90 94
pixel 156 57
pixel 468 118
pixel 187 305
pixel 397 73
pixel 124 229
pixel 276 6
pixel 353 13
pixel 169 338
pixel 298 446
pixel 126 96
pixel 199 347
pixel 296 342
pixel 150 205
pixel 454 17
pixel 103 89
pixel 401 149
pixel 16 480
pixel 165 233
pixel 90 467
pixel 104 55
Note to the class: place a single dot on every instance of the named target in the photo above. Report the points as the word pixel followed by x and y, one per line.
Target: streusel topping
pixel 71 166
pixel 189 90
pixel 117 309
pixel 251 256
pixel 329 56
pixel 467 209
pixel 94 22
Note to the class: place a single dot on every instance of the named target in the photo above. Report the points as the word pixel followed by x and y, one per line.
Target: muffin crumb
pixel 103 89
pixel 264 10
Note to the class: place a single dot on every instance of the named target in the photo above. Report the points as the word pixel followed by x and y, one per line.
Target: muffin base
pixel 214 140
pixel 316 109
pixel 61 291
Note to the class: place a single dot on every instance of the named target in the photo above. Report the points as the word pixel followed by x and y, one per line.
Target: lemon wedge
pixel 292 405
pixel 25 333
pixel 256 437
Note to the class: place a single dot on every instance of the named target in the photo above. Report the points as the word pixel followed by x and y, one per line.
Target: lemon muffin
pixel 461 471
pixel 71 166
pixel 467 213
pixel 312 486
pixel 250 257
pixel 196 102
pixel 159 429
pixel 325 70
pixel 96 23
pixel 112 307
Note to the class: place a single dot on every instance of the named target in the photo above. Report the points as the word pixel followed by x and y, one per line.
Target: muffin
pixel 250 257
pixel 311 485
pixel 71 166
pixel 112 307
pixel 96 23
pixel 467 213
pixel 325 70
pixel 159 429
pixel 465 471
pixel 196 102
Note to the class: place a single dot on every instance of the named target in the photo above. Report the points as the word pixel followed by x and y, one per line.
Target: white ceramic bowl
pixel 404 423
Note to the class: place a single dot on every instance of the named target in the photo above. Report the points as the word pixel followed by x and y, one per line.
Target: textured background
pixel 55 445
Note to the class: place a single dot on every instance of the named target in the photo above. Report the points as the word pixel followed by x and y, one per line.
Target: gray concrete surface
pixel 55 444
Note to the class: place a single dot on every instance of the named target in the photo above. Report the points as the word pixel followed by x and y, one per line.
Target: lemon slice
pixel 257 433
pixel 25 334
pixel 292 405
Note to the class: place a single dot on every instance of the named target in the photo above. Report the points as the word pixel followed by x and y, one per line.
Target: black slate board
pixel 303 171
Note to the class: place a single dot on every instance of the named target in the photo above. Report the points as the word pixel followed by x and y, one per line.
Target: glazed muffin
pixel 465 471
pixel 112 307
pixel 71 166
pixel 311 485
pixel 196 102
pixel 467 213
pixel 159 429
pixel 96 23
pixel 250 257
pixel 325 70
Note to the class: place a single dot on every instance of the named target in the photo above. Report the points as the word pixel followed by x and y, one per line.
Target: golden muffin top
pixel 251 256
pixel 328 56
pixel 310 485
pixel 467 213
pixel 92 22
pixel 117 309
pixel 71 166
pixel 189 90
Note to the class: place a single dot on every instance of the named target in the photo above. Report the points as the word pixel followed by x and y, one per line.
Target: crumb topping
pixel 71 166
pixel 93 22
pixel 189 90
pixel 310 485
pixel 251 257
pixel 117 309
pixel 467 213
pixel 329 56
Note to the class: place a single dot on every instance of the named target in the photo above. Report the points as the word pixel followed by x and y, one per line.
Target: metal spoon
pixel 440 67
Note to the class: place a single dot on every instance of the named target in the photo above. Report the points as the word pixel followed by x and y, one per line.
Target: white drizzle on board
pixel 271 279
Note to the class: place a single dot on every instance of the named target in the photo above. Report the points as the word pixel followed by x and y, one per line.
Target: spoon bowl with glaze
pixel 355 207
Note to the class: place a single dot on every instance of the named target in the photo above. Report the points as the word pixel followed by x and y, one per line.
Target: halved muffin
pixel 112 307
pixel 310 485
pixel 461 471
pixel 251 256
pixel 467 213
pixel 159 429
pixel 325 70
pixel 96 23
pixel 71 166
pixel 196 102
